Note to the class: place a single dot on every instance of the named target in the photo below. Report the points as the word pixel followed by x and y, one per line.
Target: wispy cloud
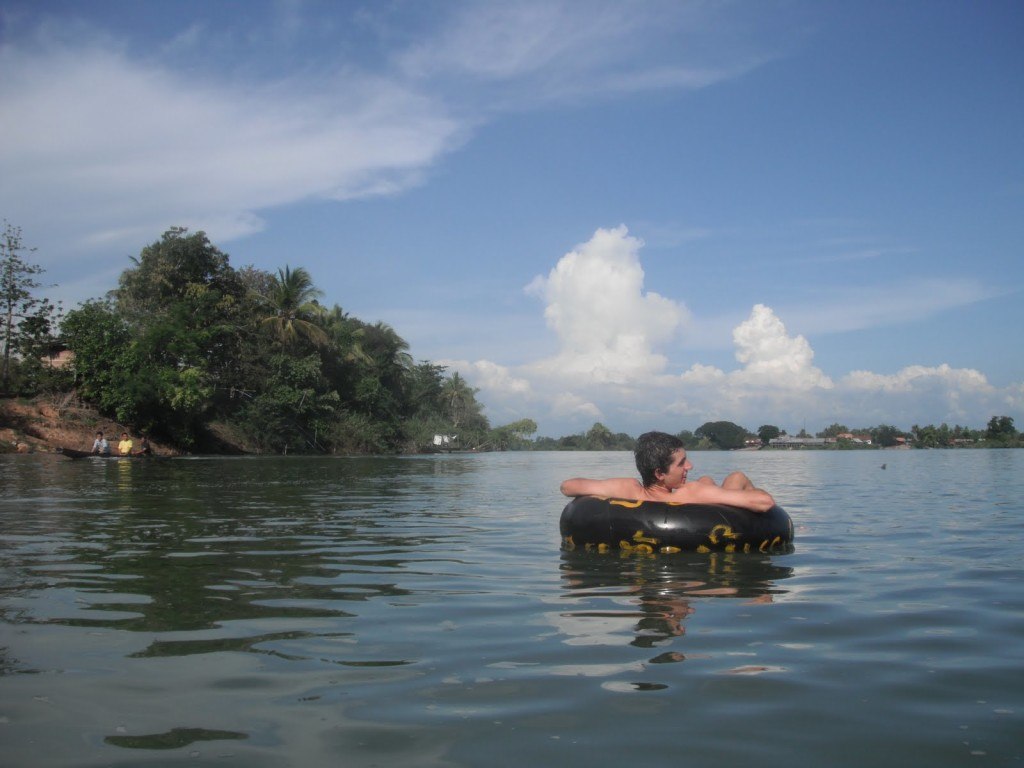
pixel 853 308
pixel 106 141
pixel 111 150
pixel 533 53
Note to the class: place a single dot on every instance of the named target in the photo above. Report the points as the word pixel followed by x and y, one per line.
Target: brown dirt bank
pixel 44 424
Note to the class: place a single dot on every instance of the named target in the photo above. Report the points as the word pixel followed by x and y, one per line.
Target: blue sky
pixel 648 214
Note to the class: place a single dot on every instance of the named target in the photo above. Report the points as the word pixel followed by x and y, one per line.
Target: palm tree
pixel 388 351
pixel 346 335
pixel 457 397
pixel 292 298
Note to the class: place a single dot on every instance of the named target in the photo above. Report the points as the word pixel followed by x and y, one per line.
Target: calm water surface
pixel 418 612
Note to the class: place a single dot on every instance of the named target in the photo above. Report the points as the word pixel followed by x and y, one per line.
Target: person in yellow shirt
pixel 125 446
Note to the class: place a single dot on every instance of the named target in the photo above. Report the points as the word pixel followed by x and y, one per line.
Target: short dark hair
pixel 653 451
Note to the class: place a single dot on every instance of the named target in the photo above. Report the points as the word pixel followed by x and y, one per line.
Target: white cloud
pixel 108 139
pixel 111 150
pixel 573 407
pixel 773 358
pixel 608 327
pixel 611 366
pixel 496 379
pixel 703 376
pixel 917 377
pixel 959 394
pixel 537 51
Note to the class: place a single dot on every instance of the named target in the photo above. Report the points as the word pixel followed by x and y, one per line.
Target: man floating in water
pixel 663 465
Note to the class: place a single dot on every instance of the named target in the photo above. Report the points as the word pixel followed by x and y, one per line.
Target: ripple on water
pixel 419 612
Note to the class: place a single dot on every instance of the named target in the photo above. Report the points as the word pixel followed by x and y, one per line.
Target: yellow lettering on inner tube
pixel 624 503
pixel 634 504
pixel 640 538
pixel 723 531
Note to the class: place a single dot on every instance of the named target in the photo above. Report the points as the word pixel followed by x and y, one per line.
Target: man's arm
pixel 708 493
pixel 612 488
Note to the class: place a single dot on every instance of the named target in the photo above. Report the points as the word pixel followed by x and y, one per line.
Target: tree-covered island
pixel 206 357
pixel 209 358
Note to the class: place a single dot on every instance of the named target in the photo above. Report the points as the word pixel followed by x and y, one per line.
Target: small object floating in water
pixel 594 523
pixel 883 466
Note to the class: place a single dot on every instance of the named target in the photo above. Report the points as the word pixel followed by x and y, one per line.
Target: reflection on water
pixel 173 739
pixel 419 611
pixel 655 595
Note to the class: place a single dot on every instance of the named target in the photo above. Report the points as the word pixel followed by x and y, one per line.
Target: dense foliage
pixel 186 341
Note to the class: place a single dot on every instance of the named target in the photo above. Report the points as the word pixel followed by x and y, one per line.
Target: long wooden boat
pixel 74 453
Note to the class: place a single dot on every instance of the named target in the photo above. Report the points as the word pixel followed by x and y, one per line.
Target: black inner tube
pixel 591 522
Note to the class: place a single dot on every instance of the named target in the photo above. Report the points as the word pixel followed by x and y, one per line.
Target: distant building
pixel 58 356
pixel 786 441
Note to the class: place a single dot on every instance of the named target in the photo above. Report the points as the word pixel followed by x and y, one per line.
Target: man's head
pixel 653 452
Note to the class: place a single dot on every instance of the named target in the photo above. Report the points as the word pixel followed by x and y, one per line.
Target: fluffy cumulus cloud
pixel 771 357
pixel 777 375
pixel 610 330
pixel 961 395
pixel 617 351
pixel 915 377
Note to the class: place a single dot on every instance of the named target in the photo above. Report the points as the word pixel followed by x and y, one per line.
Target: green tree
pixel 180 322
pixel 462 410
pixel 346 335
pixel 886 435
pixel 723 434
pixel 767 433
pixel 291 301
pixel 101 342
pixel 599 438
pixel 690 440
pixel 178 269
pixel 834 430
pixel 512 437
pixel 458 400
pixel 27 319
pixel 1001 430
pixel 296 408
pixel 378 388
pixel 186 307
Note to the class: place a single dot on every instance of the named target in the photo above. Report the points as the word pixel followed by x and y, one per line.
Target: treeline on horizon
pixel 726 436
pixel 204 356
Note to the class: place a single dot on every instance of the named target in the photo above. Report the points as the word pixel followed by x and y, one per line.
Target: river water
pixel 419 612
